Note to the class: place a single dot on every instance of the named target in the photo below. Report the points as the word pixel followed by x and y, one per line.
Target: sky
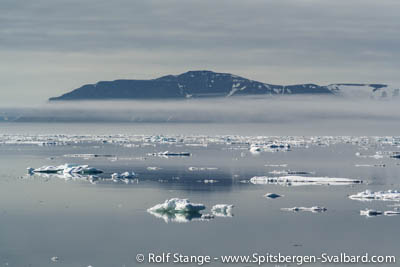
pixel 49 47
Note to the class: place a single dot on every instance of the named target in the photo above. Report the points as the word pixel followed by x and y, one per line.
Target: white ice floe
pixel 153 168
pixel 289 172
pixel 54 259
pixel 392 213
pixel 268 147
pixel 368 195
pixel 124 175
pixel 275 165
pixel 66 168
pixel 171 154
pixel 89 156
pixel 272 195
pixel 208 181
pixel 302 180
pixel 222 210
pixel 177 205
pixel 192 169
pixel 314 209
pixel 180 211
pixel 80 169
pixel 371 165
pixel 370 213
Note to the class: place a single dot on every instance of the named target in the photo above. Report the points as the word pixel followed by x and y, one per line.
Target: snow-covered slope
pixel 375 91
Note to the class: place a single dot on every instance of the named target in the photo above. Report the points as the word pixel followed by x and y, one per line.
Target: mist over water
pixel 289 115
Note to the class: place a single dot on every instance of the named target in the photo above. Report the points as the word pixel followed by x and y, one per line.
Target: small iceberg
pixel 315 209
pixel 177 205
pixel 179 210
pixel 368 195
pixel 302 180
pixel 272 195
pixel 222 210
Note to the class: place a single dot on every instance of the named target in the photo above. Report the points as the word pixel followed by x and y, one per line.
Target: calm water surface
pixel 106 224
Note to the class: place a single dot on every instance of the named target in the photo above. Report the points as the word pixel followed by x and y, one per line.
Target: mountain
pixel 196 84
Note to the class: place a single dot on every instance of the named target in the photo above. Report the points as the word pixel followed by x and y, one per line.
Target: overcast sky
pixel 49 47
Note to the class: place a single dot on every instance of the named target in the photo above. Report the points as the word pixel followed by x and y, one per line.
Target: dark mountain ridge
pixel 196 84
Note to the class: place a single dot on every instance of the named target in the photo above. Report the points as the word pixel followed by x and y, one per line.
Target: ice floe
pixel 208 181
pixel 276 165
pixel 153 168
pixel 192 169
pixel 89 156
pixel 177 205
pixel 370 213
pixel 179 210
pixel 303 180
pixel 171 154
pixel 368 195
pixel 66 168
pixel 392 213
pixel 371 165
pixel 289 172
pixel 315 209
pixel 222 210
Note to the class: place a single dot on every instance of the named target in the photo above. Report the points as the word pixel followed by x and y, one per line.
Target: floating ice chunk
pixel 275 165
pixel 272 195
pixel 314 209
pixel 171 154
pixel 302 180
pixel 46 169
pixel 66 168
pixel 202 169
pixel 177 205
pixel 222 210
pixel 55 259
pixel 153 168
pixel 392 213
pixel 81 169
pixel 368 195
pixel 255 149
pixel 371 165
pixel 88 156
pixel 289 172
pixel 370 213
pixel 125 177
pixel 179 210
pixel 208 181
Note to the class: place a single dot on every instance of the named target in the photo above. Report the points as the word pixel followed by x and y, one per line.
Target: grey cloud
pixel 288 41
